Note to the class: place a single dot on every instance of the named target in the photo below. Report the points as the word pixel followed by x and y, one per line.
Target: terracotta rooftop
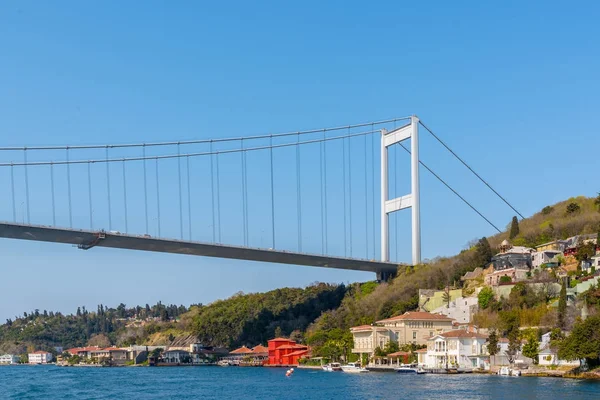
pixel 399 354
pixel 280 339
pixel 421 351
pixel 241 350
pixel 298 353
pixel 260 349
pixel 292 346
pixel 417 316
pixel 40 352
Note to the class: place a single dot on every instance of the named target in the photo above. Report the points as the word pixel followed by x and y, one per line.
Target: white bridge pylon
pixel 388 206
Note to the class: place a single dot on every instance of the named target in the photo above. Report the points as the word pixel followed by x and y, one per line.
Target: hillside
pixel 558 221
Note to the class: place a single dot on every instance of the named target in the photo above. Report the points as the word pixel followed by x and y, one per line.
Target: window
pixel 414 335
pixel 431 333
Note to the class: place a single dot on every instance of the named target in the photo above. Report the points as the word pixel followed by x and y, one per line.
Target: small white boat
pixel 505 371
pixel 223 363
pixel 332 367
pixel 353 368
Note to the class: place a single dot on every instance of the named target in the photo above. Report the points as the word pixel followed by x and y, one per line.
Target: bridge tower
pixel 389 206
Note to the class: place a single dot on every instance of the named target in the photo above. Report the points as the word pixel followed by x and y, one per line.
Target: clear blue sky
pixel 513 88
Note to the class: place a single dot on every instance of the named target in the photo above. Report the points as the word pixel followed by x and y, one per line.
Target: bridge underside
pixel 87 239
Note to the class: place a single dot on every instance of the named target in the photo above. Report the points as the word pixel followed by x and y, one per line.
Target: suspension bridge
pixel 317 197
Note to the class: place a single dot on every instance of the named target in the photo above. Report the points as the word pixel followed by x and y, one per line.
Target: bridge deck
pixel 146 243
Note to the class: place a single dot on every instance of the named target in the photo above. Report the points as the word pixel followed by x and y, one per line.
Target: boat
pixel 505 371
pixel 332 367
pixel 223 363
pixel 421 371
pixel 406 369
pixel 353 368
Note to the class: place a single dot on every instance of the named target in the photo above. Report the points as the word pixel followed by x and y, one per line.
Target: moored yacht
pixel 332 367
pixel 353 368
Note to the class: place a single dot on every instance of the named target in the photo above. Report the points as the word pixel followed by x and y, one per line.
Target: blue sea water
pixel 51 382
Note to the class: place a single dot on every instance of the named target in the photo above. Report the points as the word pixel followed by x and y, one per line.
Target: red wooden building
pixel 286 352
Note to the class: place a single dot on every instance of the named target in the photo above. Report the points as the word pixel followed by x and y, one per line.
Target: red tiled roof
pixel 361 328
pixel 297 353
pixel 291 346
pixel 398 354
pixel 40 352
pixel 260 349
pixel 280 339
pixel 241 350
pixel 421 351
pixel 417 315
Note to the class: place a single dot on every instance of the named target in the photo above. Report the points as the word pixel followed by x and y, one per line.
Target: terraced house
pixel 410 327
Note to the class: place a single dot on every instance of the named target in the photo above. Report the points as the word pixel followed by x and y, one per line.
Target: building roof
pixel 361 328
pixel 460 333
pixel 417 315
pixel 260 349
pixel 292 346
pixel 280 339
pixel 241 350
pixel 399 354
pixel 421 351
pixel 472 274
pixel 297 353
pixel 40 352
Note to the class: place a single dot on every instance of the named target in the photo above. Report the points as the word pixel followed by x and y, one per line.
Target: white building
pixel 176 356
pixel 543 257
pixel 9 359
pixel 456 349
pixel 40 357
pixel 547 356
pixel 461 309
pixel 411 327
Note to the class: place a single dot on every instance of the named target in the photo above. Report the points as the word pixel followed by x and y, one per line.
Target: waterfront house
pixel 113 355
pixel 457 349
pixel 40 357
pixel 548 357
pixel 9 359
pixel 176 357
pixel 413 327
pixel 285 352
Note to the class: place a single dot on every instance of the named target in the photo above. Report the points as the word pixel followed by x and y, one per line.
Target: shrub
pixel 573 208
pixel 547 210
pixel 505 279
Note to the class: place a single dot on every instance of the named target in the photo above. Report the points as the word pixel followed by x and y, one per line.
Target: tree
pixel 278 332
pixel 597 201
pixel 492 343
pixel 573 208
pixel 510 322
pixel 483 253
pixel 562 305
pixel 485 296
pixel 446 297
pixel 585 251
pixel 391 347
pixel 547 210
pixel 531 349
pixel 100 340
pixel 514 228
pixel 505 279
pixel 583 342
